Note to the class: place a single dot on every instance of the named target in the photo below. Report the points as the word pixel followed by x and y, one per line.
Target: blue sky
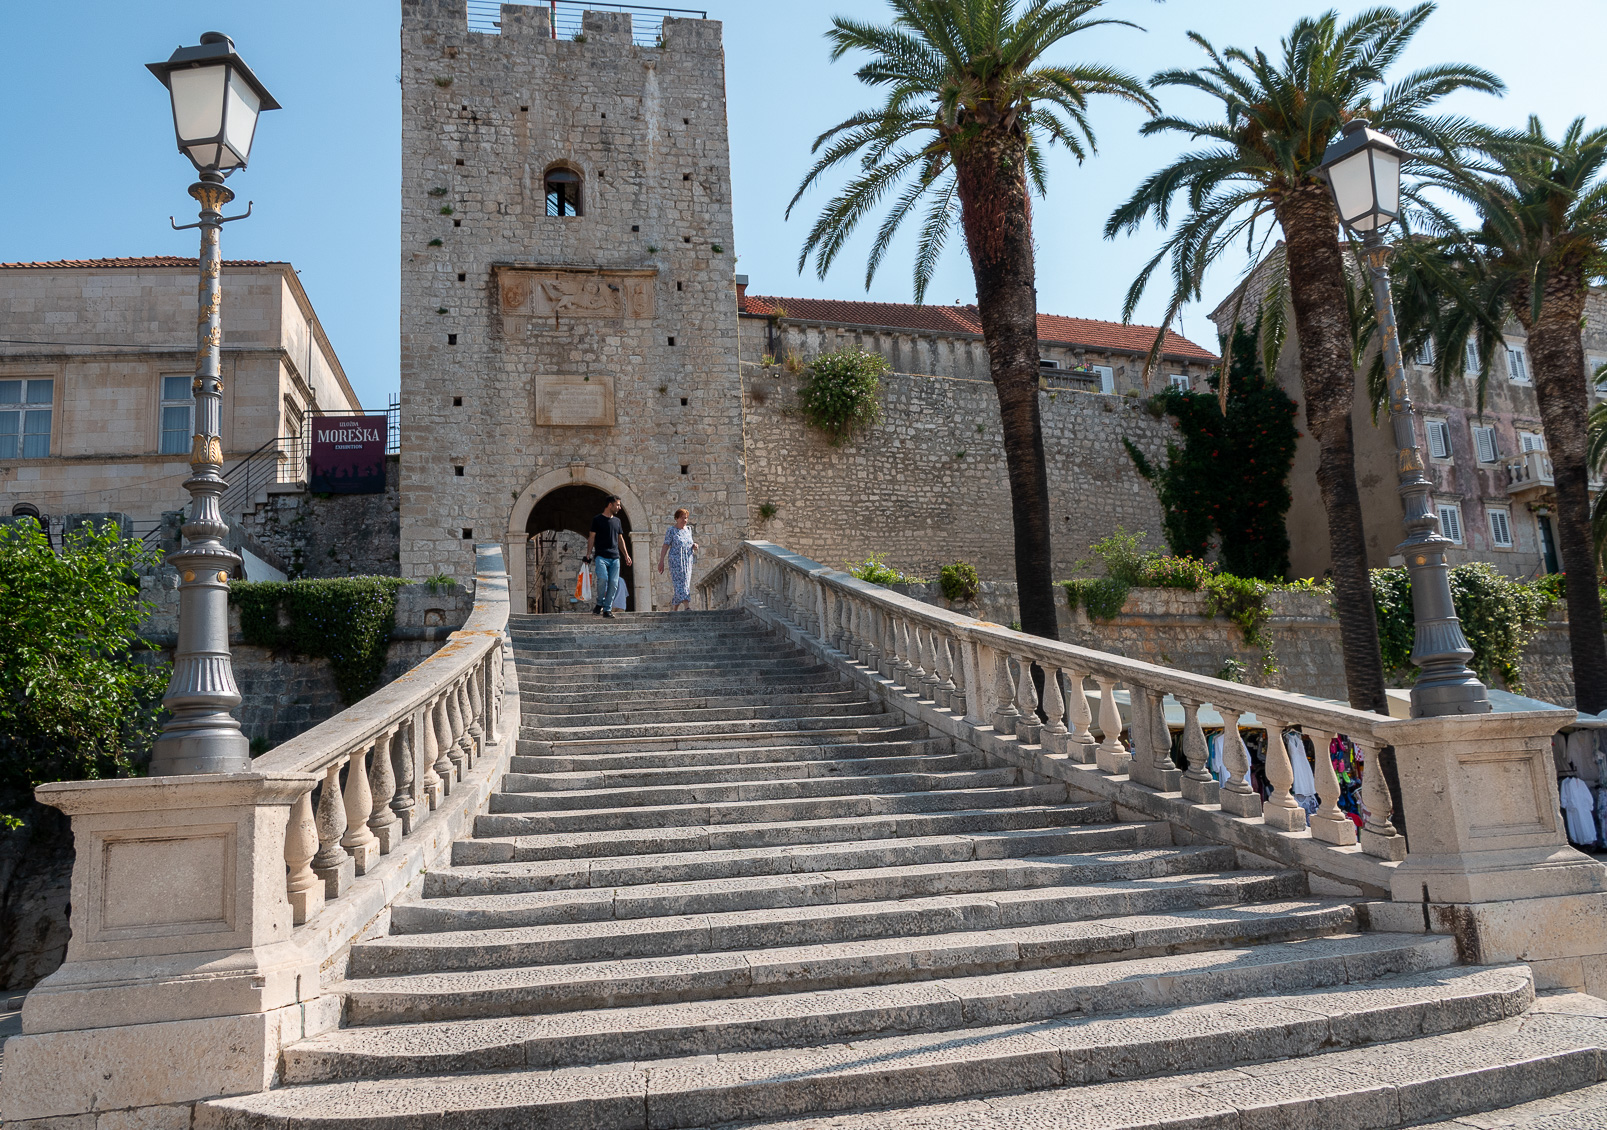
pixel 92 170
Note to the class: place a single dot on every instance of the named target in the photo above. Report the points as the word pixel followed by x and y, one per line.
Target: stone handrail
pixel 402 749
pixel 984 672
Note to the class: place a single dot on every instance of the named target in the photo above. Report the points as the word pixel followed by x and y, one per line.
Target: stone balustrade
pixel 211 913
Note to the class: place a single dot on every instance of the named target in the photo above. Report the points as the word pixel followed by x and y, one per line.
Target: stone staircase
pixel 719 886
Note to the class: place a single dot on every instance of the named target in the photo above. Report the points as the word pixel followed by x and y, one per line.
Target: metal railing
pixel 486 16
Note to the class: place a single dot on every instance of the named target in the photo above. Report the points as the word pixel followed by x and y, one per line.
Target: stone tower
pixel 568 319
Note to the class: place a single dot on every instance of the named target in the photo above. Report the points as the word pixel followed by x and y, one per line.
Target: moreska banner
pixel 348 455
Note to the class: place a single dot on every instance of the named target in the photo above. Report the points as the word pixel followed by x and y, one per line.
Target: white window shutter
pixel 1517 365
pixel 1107 379
pixel 1484 440
pixel 1471 358
pixel 1500 529
pixel 1451 523
pixel 1439 439
pixel 1532 441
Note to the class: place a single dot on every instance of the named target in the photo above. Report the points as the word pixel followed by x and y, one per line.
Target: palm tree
pixel 970 108
pixel 1540 241
pixel 1262 166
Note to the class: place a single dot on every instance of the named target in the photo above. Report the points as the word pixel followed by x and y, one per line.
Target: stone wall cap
pixel 200 790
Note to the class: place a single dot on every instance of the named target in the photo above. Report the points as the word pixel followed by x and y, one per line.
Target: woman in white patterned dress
pixel 678 548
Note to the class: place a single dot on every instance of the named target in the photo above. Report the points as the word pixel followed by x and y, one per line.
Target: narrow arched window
pixel 563 192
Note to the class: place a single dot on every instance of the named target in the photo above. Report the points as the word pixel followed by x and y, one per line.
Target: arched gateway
pixel 566 499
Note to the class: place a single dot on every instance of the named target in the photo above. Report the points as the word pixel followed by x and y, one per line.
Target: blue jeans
pixel 606 571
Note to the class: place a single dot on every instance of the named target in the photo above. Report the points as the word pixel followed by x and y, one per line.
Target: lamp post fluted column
pixel 1445 684
pixel 202 735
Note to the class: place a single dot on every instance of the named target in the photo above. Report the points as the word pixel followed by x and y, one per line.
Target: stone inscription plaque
pixel 556 294
pixel 574 400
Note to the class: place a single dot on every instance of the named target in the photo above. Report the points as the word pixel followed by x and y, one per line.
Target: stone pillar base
pixel 1241 804
pixel 1163 779
pixel 1287 819
pixel 1339 832
pixel 1112 761
pixel 1028 733
pixel 1200 792
pixel 1392 848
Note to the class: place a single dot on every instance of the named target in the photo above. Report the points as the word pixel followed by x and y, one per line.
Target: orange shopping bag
pixel 583 585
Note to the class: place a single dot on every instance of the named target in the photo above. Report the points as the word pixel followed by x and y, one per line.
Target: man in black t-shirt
pixel 605 545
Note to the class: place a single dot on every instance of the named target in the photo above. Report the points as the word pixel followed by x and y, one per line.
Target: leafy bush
pixel 1499 616
pixel 878 572
pixel 77 701
pixel 1101 597
pixel 346 620
pixel 1178 573
pixel 959 582
pixel 839 392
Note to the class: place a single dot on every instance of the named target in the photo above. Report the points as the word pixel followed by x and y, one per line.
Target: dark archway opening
pixel 569 510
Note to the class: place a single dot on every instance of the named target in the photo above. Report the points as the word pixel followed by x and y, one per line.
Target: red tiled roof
pixel 963 319
pixel 140 261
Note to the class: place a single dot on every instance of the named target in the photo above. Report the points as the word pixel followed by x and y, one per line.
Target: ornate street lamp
pixel 1363 168
pixel 216 101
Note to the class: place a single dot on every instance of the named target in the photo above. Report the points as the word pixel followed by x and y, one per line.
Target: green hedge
pixel 1499 616
pixel 346 620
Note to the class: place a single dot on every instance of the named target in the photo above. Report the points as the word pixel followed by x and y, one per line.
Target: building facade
pixel 1491 476
pixel 568 330
pixel 95 372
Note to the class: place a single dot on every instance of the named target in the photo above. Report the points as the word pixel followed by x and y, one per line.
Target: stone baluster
pixel 332 864
pixel 839 620
pixel 303 886
pixel 873 636
pixel 915 677
pixel 1198 784
pixel 1237 797
pixel 889 641
pixel 462 745
pixel 929 661
pixel 822 624
pixel 360 843
pixel 1081 746
pixel 1055 734
pixel 474 702
pixel 901 649
pixel 1111 756
pixel 974 658
pixel 943 692
pixel 444 765
pixel 1379 835
pixel 1004 712
pixel 1028 728
pixel 1281 810
pixel 497 660
pixel 431 787
pixel 851 639
pixel 958 699
pixel 402 801
pixel 1328 824
pixel 382 821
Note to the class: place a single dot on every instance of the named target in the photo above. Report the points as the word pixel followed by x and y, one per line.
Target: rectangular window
pixel 1424 354
pixel 1439 439
pixel 1531 441
pixel 177 404
pixel 1451 521
pixel 1048 363
pixel 1107 379
pixel 1179 381
pixel 25 407
pixel 1484 444
pixel 1517 364
pixel 1470 358
pixel 1500 529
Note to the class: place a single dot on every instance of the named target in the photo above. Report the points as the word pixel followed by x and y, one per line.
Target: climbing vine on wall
pixel 1499 616
pixel 1230 476
pixel 346 620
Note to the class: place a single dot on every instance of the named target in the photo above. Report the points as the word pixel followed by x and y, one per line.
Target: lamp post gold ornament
pixel 216 100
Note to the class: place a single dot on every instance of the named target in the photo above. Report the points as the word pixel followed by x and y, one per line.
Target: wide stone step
pixel 512 799
pixel 697 702
pixel 520 895
pixel 719 760
pixel 539 697
pixel 663 670
pixel 537 724
pixel 516 847
pixel 1051 1069
pixel 638 929
pixel 1373 983
pixel 525 782
pixel 792 718
pixel 875 961
pixel 541 747
pixel 768 811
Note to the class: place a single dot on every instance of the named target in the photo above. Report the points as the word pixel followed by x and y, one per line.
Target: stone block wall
pixel 335 535
pixel 927 485
pixel 595 349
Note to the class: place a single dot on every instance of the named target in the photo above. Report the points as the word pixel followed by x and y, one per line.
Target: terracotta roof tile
pixel 1086 332
pixel 139 261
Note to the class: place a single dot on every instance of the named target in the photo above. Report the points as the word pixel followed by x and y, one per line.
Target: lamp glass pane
pixel 1353 186
pixel 197 101
pixel 1387 175
pixel 241 121
pixel 204 156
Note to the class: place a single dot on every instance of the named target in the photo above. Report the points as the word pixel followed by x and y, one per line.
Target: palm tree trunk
pixel 1317 293
pixel 991 183
pixel 1559 366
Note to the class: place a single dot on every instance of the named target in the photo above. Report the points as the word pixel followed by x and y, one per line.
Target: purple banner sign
pixel 348 455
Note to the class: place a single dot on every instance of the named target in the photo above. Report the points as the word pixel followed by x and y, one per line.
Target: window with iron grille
pixel 25 410
pixel 177 405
